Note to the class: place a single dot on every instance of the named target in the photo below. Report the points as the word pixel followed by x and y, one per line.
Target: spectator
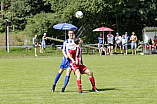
pixel 127 38
pixel 151 45
pixel 110 40
pixel 155 42
pixel 43 44
pixel 133 40
pixel 124 45
pixel 118 42
pixel 102 50
pixel 35 44
pixel 100 38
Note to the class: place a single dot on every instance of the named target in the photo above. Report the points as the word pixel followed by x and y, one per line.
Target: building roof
pixel 150 29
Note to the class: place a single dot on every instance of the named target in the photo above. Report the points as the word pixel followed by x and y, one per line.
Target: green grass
pixel 120 79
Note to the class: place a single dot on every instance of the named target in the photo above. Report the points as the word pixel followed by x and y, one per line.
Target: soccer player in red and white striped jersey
pixel 75 54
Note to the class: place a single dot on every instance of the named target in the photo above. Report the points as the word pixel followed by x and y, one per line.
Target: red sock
pixel 92 82
pixel 79 84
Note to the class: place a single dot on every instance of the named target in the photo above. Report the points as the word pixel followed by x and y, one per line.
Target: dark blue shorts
pixel 34 46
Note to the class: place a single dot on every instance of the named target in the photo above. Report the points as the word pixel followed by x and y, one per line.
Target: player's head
pixel 148 38
pixel 78 41
pixel 155 37
pixel 71 33
pixel 126 33
pixel 44 34
pixel 123 36
pixel 100 34
pixel 133 33
pixel 117 34
pixel 35 36
pixel 102 45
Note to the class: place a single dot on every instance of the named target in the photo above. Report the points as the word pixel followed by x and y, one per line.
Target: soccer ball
pixel 79 14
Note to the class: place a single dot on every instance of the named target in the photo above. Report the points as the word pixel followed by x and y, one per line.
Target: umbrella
pixel 64 26
pixel 103 29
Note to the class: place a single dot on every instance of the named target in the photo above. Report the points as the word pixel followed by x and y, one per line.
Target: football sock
pixel 92 81
pixel 57 77
pixel 66 81
pixel 79 84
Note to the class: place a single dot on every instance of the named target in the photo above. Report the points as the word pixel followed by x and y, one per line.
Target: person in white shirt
pixel 124 45
pixel 110 39
pixel 118 42
pixel 102 50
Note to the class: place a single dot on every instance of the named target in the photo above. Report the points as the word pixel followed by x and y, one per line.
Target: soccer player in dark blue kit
pixel 65 64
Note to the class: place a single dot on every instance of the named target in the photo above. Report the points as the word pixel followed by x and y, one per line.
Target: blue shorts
pixel 65 63
pixel 133 45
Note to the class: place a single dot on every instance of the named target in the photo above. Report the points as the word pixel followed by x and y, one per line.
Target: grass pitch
pixel 120 79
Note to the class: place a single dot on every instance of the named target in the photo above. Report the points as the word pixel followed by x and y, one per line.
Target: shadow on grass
pixel 105 89
pixel 87 91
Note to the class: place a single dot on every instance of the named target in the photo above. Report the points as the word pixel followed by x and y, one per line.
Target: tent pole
pixel 65 34
pixel 103 37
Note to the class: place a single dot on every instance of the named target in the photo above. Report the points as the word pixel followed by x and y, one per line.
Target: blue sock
pixel 57 77
pixel 66 81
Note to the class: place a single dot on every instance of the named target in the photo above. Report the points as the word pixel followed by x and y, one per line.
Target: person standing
pixel 35 44
pixel 133 40
pixel 100 38
pixel 124 45
pixel 110 39
pixel 118 42
pixel 65 64
pixel 43 43
pixel 75 54
pixel 127 38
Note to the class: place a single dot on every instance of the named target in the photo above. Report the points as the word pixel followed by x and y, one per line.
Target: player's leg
pixel 123 47
pixel 35 51
pixel 100 52
pixel 111 49
pixel 66 79
pixel 126 49
pixel 135 48
pixel 56 79
pixel 132 47
pixel 40 48
pixel 120 47
pixel 78 74
pixel 115 48
pixel 91 78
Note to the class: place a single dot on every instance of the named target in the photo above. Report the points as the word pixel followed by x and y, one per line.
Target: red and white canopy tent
pixel 103 29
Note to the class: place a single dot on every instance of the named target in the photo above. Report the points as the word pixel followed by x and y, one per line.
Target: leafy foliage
pixel 120 15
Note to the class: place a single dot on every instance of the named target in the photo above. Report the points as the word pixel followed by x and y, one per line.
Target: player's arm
pixel 69 55
pixel 63 52
pixel 153 42
pixel 81 60
pixel 130 38
pixel 136 38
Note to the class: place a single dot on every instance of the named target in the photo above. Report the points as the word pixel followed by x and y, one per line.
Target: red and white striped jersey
pixel 76 53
